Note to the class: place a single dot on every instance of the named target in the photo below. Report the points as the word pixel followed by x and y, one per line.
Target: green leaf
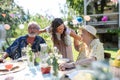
pixel 37 59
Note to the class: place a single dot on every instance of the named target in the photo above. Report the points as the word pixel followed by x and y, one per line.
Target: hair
pixel 33 24
pixel 56 23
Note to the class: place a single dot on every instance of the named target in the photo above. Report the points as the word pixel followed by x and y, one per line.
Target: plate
pixel 18 66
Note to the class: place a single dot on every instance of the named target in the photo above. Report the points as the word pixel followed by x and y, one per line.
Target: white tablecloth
pixel 28 73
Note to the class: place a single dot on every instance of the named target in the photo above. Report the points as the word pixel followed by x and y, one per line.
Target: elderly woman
pixel 14 50
pixel 91 49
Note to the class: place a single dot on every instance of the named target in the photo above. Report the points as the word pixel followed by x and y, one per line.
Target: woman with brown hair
pixel 61 37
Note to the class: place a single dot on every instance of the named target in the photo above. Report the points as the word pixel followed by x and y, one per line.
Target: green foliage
pixel 9 7
pixel 55 66
pixel 112 52
pixel 29 52
pixel 43 22
pixel 114 31
pixel 77 5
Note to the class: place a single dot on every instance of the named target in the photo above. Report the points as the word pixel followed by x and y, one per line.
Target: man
pixel 14 50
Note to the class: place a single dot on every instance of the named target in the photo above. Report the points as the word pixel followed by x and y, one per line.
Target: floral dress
pixel 95 49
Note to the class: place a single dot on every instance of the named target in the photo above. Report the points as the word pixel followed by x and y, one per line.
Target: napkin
pixel 80 75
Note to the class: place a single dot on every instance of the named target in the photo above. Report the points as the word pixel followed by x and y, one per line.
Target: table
pixel 34 73
pixel 31 73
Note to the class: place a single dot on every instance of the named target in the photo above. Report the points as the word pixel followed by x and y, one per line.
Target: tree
pixel 13 15
pixel 77 5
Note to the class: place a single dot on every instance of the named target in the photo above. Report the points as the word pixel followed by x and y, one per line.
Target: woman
pixel 61 37
pixel 91 49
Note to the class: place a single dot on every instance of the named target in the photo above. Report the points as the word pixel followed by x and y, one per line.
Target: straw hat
pixel 90 29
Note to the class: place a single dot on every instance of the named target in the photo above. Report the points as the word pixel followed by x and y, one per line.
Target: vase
pixel 55 76
pixel 54 72
pixel 31 60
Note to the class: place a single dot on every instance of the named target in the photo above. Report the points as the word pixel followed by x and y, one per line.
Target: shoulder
pixel 96 42
pixel 68 30
pixel 21 38
pixel 39 37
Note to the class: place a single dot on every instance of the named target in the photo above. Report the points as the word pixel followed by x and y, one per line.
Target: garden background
pixel 14 20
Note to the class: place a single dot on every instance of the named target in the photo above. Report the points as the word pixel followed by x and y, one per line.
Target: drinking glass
pixel 23 53
pixel 31 60
pixel 43 48
pixel 9 66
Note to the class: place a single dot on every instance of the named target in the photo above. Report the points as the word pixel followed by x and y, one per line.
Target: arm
pixel 85 61
pixel 42 31
pixel 74 35
pixel 96 53
pixel 4 56
pixel 76 44
pixel 47 29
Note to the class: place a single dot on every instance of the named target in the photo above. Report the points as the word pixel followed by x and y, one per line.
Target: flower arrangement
pixel 48 59
pixel 30 55
pixel 53 61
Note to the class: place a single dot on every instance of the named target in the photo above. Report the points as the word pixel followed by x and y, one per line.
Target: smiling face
pixel 33 30
pixel 84 35
pixel 60 29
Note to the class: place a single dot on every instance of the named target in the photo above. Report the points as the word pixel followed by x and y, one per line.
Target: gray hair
pixel 33 24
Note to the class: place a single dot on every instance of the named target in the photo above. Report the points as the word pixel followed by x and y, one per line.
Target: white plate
pixel 2 66
pixel 16 67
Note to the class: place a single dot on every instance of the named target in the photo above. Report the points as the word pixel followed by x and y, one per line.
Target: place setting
pixel 11 67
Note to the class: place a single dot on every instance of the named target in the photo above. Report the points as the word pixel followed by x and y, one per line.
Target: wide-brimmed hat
pixel 90 29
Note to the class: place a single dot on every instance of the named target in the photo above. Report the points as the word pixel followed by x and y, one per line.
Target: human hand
pixel 65 66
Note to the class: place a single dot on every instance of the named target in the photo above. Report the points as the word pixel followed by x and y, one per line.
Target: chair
pixel 107 55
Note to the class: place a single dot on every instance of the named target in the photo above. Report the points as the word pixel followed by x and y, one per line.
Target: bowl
pixel 45 70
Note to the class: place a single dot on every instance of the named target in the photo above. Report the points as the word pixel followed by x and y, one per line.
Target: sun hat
pixel 90 29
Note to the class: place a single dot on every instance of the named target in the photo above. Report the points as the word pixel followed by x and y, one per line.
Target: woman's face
pixel 84 35
pixel 60 29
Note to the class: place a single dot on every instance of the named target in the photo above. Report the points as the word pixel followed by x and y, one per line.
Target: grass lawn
pixel 112 52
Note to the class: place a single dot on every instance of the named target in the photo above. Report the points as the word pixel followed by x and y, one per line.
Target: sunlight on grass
pixel 112 52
